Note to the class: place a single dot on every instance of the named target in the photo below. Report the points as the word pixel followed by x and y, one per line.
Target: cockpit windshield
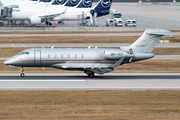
pixel 23 53
pixel 117 15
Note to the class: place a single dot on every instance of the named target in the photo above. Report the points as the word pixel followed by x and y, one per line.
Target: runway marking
pixel 23 45
pixel 13 45
pixel 96 88
pixel 42 80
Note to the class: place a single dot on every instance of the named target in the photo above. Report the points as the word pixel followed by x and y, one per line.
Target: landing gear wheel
pixel 91 75
pixel 22 74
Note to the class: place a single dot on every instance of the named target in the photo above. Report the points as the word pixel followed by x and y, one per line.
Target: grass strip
pixel 90 105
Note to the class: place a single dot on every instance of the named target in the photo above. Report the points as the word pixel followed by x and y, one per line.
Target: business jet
pixel 90 60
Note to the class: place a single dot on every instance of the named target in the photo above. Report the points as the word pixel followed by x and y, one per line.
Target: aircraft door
pixel 37 58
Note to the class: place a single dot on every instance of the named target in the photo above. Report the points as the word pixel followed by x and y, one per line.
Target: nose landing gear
pixel 22 72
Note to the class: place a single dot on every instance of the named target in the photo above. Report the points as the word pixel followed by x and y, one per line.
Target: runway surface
pixel 78 81
pixel 156 57
pixel 162 45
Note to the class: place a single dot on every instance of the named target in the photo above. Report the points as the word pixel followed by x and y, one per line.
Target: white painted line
pixel 23 45
pixel 13 45
pixel 129 88
pixel 42 80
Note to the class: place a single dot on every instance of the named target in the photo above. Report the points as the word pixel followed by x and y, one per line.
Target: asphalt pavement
pixel 78 81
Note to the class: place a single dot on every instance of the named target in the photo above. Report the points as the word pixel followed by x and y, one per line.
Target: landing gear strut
pixel 22 72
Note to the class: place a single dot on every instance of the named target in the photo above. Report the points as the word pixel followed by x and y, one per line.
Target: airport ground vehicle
pixel 89 60
pixel 110 22
pixel 130 23
pixel 119 22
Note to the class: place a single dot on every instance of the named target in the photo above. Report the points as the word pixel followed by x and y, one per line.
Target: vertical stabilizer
pixel 148 40
pixel 45 1
pixel 102 7
pixel 72 3
pixel 85 4
pixel 59 2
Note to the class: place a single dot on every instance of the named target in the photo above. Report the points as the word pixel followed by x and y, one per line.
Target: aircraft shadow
pixel 108 77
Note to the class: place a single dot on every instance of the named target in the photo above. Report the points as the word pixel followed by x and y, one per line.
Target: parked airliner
pixel 36 14
pixel 89 60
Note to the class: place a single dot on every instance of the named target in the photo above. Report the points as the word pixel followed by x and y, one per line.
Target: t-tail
pixel 85 4
pixel 147 41
pixel 60 2
pixel 102 7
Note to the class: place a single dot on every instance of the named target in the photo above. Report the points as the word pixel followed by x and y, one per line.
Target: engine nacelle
pixel 58 18
pixel 35 20
pixel 113 54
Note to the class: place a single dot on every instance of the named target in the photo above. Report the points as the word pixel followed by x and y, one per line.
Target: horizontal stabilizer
pixel 159 32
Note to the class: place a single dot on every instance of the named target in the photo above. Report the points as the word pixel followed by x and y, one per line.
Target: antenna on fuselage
pixel 96 47
pixel 52 47
pixel 89 47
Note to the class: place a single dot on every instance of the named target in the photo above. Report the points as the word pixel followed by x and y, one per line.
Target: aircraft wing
pixel 99 68
pixel 94 67
pixel 53 15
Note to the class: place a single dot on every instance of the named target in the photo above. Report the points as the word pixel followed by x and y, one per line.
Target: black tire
pixel 22 74
pixel 91 75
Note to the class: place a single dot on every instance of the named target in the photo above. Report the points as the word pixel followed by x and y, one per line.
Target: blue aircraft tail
pixel 59 2
pixel 85 4
pixel 72 3
pixel 103 7
pixel 45 1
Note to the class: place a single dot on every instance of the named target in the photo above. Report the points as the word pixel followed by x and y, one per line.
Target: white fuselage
pixel 25 13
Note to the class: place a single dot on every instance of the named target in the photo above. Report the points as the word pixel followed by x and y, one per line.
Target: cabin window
pixel 61 55
pixel 55 56
pixel 68 55
pixel 82 56
pixel 75 56
pixel 48 55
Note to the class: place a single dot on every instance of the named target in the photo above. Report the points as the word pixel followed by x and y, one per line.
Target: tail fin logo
pixel 74 2
pixel 87 3
pixel 105 3
pixel 60 2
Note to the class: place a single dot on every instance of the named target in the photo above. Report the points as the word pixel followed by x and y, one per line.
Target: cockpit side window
pixel 26 53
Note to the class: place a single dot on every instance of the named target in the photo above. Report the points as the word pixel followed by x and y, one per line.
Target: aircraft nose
pixel 8 62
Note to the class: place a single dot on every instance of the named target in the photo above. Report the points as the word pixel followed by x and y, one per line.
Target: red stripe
pixel 74 60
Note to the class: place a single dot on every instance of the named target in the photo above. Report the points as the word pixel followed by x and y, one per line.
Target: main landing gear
pixel 89 73
pixel 22 72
